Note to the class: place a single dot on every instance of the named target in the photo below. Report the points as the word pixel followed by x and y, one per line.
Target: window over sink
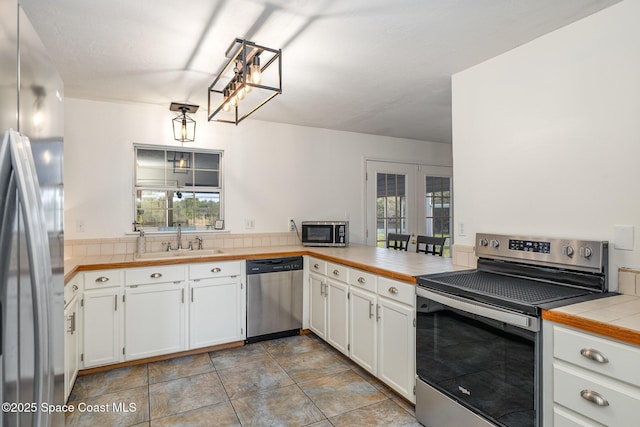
pixel 177 186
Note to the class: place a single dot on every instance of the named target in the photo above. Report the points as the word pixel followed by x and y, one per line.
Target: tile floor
pixel 295 381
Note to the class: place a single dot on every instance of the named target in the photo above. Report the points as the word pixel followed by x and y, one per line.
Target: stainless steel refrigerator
pixel 31 226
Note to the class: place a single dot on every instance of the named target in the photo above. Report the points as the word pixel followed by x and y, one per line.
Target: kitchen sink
pixel 185 253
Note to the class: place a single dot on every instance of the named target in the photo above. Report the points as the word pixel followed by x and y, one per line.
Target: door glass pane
pixel 391 212
pixel 438 217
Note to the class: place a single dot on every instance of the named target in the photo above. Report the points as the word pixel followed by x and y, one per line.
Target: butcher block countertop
pixel 616 317
pixel 398 265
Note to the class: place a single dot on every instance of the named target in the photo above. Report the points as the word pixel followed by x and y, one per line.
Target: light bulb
pixel 241 94
pixel 247 88
pixel 183 130
pixel 256 74
pixel 226 107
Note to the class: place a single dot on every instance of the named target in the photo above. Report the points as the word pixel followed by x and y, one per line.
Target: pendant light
pixel 184 127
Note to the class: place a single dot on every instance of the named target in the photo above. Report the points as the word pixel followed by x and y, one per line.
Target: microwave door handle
pixel 39 265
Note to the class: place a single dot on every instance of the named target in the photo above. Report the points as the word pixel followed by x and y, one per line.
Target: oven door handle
pixel 481 309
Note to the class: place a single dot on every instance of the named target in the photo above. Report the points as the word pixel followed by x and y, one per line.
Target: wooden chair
pixel 432 245
pixel 398 241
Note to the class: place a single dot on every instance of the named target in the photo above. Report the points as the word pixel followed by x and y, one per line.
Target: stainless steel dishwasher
pixel 274 298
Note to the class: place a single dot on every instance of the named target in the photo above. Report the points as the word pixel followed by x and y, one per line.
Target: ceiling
pixel 379 67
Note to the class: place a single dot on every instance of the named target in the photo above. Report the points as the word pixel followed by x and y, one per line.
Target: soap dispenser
pixel 142 243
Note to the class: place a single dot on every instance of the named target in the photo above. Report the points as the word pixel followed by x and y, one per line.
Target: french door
pixel 407 198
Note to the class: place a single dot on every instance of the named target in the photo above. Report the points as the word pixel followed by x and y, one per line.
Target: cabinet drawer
pixel 317 266
pixel 338 272
pixel 158 274
pixel 564 418
pixel 72 288
pixel 571 383
pixel 363 280
pixel 103 279
pixel 584 350
pixel 397 291
pixel 204 270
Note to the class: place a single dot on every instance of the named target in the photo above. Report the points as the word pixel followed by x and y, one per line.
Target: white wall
pixel 546 137
pixel 271 171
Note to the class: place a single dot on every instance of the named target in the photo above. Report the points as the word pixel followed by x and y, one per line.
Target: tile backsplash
pixel 128 245
pixel 629 281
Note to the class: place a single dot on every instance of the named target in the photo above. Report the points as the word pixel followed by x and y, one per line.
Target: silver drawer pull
pixel 102 279
pixel 362 280
pixel 336 273
pixel 594 355
pixel 216 270
pixel 75 288
pixel 594 397
pixel 393 290
pixel 156 275
pixel 316 266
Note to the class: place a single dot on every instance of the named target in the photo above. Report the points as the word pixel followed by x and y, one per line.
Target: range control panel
pixel 583 255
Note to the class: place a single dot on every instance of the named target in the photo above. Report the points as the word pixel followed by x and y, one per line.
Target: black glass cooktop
pixel 517 293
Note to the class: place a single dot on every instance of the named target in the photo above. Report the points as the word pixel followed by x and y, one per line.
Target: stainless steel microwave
pixel 325 233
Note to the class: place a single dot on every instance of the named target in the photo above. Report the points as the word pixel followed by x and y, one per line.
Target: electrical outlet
pixel 291 225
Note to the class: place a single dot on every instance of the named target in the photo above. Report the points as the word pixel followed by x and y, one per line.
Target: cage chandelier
pixel 251 77
pixel 184 127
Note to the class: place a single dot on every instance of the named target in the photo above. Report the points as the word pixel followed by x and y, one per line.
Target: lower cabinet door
pixel 318 305
pixel 363 329
pixel 71 349
pixel 102 327
pixel 155 320
pixel 215 312
pixel 396 346
pixel 337 315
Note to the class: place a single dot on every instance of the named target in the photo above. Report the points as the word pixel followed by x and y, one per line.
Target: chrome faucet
pixel 179 237
pixel 199 239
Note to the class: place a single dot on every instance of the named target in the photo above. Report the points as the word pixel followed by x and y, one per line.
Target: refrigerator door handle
pixel 40 267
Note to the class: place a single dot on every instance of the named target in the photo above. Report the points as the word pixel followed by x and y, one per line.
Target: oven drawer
pixel 397 291
pixel 594 396
pixel 606 357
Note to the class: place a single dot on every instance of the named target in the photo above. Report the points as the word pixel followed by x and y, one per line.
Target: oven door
pixel 477 365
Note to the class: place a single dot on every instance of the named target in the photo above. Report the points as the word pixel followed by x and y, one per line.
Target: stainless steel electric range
pixel 478 332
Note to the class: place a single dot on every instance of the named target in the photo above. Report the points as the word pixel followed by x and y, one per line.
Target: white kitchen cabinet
pixel 217 304
pixel 338 315
pixel 318 305
pixel 72 333
pixel 155 319
pixel 363 346
pixel 594 380
pixel 396 346
pixel 102 327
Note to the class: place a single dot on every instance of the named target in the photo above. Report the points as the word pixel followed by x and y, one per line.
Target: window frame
pixel 171 190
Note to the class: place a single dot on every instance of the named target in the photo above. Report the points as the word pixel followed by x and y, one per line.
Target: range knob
pixel 567 250
pixel 585 251
pixel 495 243
pixel 483 242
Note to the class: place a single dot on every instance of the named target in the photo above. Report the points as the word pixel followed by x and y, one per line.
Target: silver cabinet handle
pixel 191 294
pixel 115 299
pixel 183 295
pixel 336 273
pixel 73 323
pixel 216 270
pixel 102 279
pixel 594 397
pixel 393 290
pixel 362 280
pixel 316 266
pixel 595 355
pixel 326 291
pixel 377 311
pixel 370 309
pixel 155 275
